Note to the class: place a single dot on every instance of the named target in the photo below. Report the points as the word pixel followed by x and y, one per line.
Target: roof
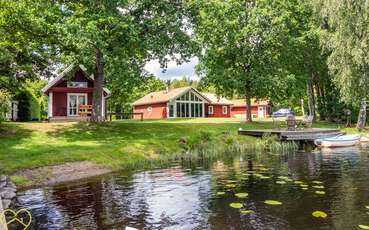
pixel 164 96
pixel 217 100
pixel 64 73
pixel 254 102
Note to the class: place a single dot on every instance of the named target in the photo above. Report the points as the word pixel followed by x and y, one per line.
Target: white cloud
pixel 173 70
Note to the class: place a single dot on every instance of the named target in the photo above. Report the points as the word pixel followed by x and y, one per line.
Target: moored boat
pixel 338 141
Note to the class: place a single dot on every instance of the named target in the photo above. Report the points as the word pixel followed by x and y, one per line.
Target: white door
pixel 260 112
pixel 74 100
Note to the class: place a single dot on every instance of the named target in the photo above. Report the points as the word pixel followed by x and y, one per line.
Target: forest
pixel 313 52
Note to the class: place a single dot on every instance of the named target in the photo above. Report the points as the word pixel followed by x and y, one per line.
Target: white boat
pixel 364 139
pixel 338 141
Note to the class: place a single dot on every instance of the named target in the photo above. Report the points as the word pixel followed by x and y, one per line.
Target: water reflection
pixel 185 197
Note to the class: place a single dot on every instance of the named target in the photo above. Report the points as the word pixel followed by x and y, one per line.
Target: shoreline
pixel 58 174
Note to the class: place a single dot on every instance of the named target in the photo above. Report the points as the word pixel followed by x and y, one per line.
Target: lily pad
pixel 280 182
pixel 241 195
pixel 220 193
pixel 231 181
pixel 258 175
pixel 264 169
pixel 319 214
pixel 265 177
pixel 318 186
pixel 298 182
pixel 367 207
pixel 247 211
pixel 304 185
pixel 273 202
pixel 304 188
pixel 236 205
pixel 363 226
pixel 283 177
pixel 316 182
pixel 320 192
pixel 231 185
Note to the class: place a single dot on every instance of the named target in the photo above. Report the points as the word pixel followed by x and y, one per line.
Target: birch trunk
pixel 362 116
pixel 310 99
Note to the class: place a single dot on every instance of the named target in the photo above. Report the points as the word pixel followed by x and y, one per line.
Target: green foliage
pixel 24 106
pixel 4 104
pixel 345 35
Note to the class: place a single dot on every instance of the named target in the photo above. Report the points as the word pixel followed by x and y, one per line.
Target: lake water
pixel 186 196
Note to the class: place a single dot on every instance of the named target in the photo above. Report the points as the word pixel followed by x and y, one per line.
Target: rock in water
pixel 2 178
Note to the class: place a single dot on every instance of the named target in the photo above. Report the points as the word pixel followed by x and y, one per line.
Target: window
pixel 149 109
pixel 225 110
pixel 74 84
pixel 210 109
pixel 171 110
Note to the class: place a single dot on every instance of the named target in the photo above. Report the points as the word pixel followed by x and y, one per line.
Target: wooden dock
pixel 307 135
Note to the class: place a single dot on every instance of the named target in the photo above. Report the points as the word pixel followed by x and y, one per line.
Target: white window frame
pixel 210 109
pixel 149 109
pixel 77 84
pixel 225 110
pixel 75 94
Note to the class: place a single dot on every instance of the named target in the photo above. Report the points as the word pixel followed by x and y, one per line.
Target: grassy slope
pixel 115 144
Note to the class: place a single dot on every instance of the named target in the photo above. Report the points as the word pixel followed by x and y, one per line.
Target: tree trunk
pixel 362 116
pixel 311 106
pixel 248 102
pixel 97 110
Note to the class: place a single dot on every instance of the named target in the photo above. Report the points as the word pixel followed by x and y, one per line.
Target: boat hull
pixel 339 141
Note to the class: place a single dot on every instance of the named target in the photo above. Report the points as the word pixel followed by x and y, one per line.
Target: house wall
pixel 158 111
pixel 217 111
pixel 241 111
pixel 78 77
pixel 60 101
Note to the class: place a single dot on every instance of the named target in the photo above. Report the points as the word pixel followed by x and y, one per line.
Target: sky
pixel 173 71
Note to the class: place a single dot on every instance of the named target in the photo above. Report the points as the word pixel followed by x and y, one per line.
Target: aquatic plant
pixel 220 193
pixel 273 202
pixel 363 226
pixel 241 195
pixel 319 214
pixel 236 205
pixel 320 192
pixel 247 211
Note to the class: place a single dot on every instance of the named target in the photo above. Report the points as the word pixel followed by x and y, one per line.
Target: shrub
pixel 4 104
pixel 24 106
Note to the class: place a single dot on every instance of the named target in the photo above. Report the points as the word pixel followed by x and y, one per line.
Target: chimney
pixel 167 83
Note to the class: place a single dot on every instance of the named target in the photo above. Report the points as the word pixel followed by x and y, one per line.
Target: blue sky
pixel 173 71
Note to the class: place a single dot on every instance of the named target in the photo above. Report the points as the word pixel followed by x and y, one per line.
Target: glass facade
pixel 187 105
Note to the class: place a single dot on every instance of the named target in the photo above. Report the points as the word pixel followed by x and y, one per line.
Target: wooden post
pixel 142 116
pixel 3 225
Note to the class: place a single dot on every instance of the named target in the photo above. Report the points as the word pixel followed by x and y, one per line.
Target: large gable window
pixel 189 104
pixel 75 84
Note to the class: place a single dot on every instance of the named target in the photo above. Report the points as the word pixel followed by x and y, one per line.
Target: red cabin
pixel 70 95
pixel 189 102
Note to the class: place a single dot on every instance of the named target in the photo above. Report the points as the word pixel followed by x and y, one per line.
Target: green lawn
pixel 113 144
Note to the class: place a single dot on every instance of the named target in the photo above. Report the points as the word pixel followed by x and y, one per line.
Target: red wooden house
pixel 189 102
pixel 69 92
pixel 259 108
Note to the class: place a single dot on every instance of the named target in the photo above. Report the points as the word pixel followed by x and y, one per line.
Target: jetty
pixel 303 135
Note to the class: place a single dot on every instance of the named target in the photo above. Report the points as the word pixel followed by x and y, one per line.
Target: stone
pixel 6 203
pixel 3 178
pixel 7 193
pixel 11 185
pixel 2 184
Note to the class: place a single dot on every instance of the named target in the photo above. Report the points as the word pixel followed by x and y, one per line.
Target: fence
pixel 3 225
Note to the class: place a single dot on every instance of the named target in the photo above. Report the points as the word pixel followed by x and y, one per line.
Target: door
pixel 260 112
pixel 74 100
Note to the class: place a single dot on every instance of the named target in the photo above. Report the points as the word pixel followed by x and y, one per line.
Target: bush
pixel 4 104
pixel 24 106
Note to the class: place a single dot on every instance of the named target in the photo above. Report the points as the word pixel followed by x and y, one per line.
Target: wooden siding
pixel 158 111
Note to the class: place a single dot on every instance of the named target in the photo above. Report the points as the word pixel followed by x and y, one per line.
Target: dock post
pixel 3 225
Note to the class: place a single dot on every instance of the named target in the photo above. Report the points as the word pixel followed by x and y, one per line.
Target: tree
pixel 246 45
pixel 345 34
pixel 104 33
pixel 27 41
